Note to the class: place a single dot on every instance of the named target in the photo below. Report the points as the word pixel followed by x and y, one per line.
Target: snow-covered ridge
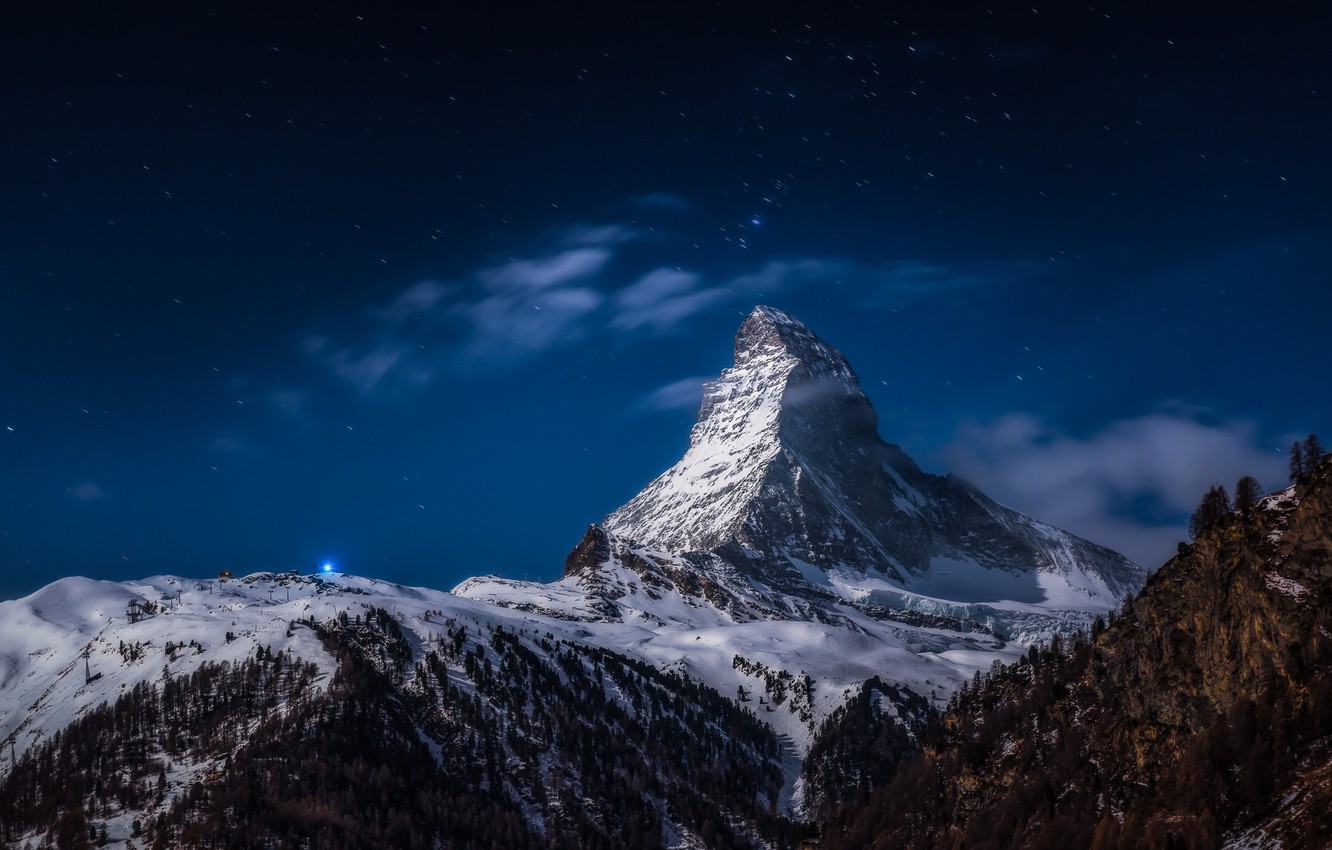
pixel 79 642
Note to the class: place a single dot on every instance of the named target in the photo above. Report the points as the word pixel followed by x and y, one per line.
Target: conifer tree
pixel 1247 493
pixel 1198 522
pixel 1214 506
pixel 1313 453
pixel 1296 461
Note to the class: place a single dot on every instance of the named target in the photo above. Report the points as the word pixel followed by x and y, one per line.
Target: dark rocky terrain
pixel 1200 714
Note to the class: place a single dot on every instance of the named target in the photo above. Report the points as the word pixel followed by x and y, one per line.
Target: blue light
pixel 328 568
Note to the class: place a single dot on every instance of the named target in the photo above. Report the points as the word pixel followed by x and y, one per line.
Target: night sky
pixel 425 294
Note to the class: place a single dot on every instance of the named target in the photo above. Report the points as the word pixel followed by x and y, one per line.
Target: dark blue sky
pixel 426 294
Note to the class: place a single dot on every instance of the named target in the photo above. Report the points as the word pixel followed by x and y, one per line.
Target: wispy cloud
pixel 414 301
pixel 1130 486
pixel 579 235
pixel 778 275
pixel 530 305
pixel 579 282
pixel 502 311
pixel 665 200
pixel 543 273
pixel 86 492
pixel 907 279
pixel 666 297
pixel 661 299
pixel 390 340
pixel 684 394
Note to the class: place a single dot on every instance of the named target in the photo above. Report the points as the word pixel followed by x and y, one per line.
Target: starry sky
pixel 425 293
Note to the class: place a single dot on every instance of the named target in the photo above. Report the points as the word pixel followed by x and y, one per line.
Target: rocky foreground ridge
pixel 1199 716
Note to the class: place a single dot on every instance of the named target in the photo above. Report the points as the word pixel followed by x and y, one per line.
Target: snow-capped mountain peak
pixel 787 482
pixel 769 334
pixel 781 368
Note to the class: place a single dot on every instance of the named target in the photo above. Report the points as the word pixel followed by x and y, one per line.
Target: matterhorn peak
pixel 786 480
pixel 768 334
pixel 786 386
pixel 781 369
pixel 767 329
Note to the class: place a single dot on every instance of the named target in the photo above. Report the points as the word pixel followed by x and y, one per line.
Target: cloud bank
pixel 1130 486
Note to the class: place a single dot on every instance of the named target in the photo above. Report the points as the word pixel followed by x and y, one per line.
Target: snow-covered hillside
pixel 675 614
pixel 44 638
pixel 78 643
pixel 461 676
pixel 75 643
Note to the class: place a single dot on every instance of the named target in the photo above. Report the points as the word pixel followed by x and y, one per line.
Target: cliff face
pixel 1202 714
pixel 1239 614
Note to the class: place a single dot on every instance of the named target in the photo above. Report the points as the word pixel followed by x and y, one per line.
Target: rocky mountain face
pixel 1200 716
pixel 787 501
pixel 786 480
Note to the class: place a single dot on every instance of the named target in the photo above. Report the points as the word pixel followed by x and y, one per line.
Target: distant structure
pixel 88 675
pixel 134 611
pixel 223 575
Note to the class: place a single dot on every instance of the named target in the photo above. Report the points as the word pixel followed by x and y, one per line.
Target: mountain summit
pixel 787 393
pixel 787 481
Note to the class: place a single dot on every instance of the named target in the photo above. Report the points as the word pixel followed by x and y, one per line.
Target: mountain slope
pixel 1202 713
pixel 359 713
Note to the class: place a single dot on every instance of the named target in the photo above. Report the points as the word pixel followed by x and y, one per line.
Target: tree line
pixel 492 739
pixel 1305 457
